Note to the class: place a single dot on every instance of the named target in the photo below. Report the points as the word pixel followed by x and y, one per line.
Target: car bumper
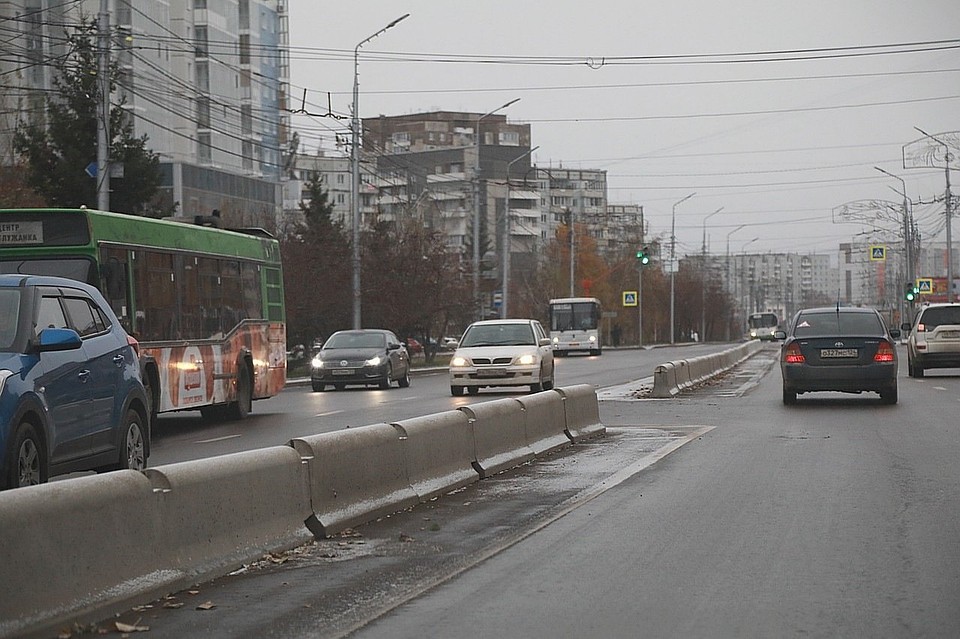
pixel 839 378
pixel 354 376
pixel 933 359
pixel 483 377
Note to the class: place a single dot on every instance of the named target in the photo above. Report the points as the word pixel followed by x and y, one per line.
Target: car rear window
pixel 937 316
pixel 833 324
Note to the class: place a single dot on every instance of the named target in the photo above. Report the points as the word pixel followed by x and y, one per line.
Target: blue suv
pixel 71 395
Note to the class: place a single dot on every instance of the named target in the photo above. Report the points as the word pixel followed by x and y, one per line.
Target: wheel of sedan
pixel 318 386
pixel 889 396
pixel 789 397
pixel 456 391
pixel 385 382
pixel 29 466
pixel 405 380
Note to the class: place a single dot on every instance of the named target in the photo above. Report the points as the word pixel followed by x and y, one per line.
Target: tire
pixel 548 385
pixel 917 370
pixel 536 388
pixel 339 387
pixel 385 382
pixel 241 408
pixel 152 402
pixel 28 464
pixel 404 381
pixel 889 396
pixel 789 397
pixel 473 390
pixel 456 391
pixel 133 444
pixel 910 371
pixel 317 386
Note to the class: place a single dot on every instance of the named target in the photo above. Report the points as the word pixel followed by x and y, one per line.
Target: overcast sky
pixel 665 97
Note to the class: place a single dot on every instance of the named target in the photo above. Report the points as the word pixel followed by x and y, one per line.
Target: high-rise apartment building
pixel 205 81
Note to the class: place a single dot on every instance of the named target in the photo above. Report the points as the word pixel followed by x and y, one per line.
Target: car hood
pixel 11 362
pixel 336 354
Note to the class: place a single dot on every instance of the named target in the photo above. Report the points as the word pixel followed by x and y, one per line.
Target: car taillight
pixel 884 353
pixel 132 341
pixel 793 355
pixel 921 328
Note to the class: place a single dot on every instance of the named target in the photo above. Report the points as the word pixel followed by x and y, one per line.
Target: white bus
pixel 575 325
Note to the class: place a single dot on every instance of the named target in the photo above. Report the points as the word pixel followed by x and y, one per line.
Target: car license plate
pixel 490 372
pixel 342 371
pixel 837 353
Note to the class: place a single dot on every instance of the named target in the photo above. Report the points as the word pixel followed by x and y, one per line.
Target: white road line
pixel 217 439
pixel 939 388
pixel 333 412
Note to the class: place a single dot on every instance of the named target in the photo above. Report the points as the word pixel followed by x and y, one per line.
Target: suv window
pixel 51 314
pixel 935 316
pixel 86 318
pixel 832 324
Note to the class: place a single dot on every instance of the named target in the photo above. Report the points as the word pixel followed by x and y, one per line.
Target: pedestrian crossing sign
pixel 878 253
pixel 629 298
pixel 925 285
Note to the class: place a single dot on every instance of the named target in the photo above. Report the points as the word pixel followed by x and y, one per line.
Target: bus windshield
pixel 575 325
pixel 568 316
pixel 763 320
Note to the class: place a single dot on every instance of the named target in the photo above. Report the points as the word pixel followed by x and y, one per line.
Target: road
pixel 721 513
pixel 299 412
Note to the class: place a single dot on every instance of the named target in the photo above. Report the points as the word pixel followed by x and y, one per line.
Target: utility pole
pixel 673 260
pixel 949 210
pixel 103 118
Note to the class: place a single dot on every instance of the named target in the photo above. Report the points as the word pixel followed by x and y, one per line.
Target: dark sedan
pixel 838 348
pixel 362 357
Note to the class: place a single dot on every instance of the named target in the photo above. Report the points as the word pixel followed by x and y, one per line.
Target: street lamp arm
pixel 389 26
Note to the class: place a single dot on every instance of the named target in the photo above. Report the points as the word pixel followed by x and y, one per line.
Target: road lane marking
pixel 939 388
pixel 217 439
pixel 333 412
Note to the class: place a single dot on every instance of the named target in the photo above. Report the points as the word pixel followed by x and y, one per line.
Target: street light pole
pixel 727 275
pixel 743 253
pixel 703 287
pixel 505 276
pixel 673 261
pixel 907 227
pixel 478 310
pixel 355 170
pixel 949 211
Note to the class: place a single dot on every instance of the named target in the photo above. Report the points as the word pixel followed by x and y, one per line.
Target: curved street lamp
pixel 673 257
pixel 355 169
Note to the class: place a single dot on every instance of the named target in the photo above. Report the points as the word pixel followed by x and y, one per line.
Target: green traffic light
pixel 643 257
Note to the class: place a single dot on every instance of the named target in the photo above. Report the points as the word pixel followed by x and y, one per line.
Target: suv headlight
pixel 373 361
pixel 316 362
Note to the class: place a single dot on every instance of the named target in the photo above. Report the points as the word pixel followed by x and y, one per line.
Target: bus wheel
pixel 241 408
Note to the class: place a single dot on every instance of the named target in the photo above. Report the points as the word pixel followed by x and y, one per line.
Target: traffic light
pixel 911 292
pixel 643 256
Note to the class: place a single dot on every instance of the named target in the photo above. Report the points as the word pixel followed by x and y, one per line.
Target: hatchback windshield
pixel 356 340
pixel 498 335
pixel 9 313
pixel 833 324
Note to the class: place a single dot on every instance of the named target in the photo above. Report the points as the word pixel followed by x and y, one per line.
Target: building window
pixel 509 138
pixel 205 151
pixel 200 42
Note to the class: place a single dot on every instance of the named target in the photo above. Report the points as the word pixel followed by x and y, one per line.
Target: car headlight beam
pixel 373 361
pixel 527 360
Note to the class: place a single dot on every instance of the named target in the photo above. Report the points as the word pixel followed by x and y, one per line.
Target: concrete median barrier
pixel 438 451
pixel 355 476
pixel 581 411
pixel 71 547
pixel 220 512
pixel 544 422
pixel 672 377
pixel 499 435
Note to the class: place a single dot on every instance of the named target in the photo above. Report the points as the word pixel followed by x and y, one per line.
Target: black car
pixel 838 348
pixel 363 357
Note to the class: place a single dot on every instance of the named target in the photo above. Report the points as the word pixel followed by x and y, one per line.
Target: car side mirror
pixel 895 333
pixel 544 341
pixel 779 335
pixel 58 339
pixel 905 327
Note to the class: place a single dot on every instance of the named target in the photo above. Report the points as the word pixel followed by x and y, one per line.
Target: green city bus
pixel 205 303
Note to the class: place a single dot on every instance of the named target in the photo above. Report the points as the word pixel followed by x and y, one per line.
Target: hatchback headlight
pixel 373 361
pixel 316 362
pixel 527 360
pixel 459 361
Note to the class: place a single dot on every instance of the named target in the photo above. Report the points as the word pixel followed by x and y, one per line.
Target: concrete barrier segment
pixel 665 381
pixel 544 422
pixel 70 548
pixel 439 452
pixel 581 411
pixel 224 511
pixel 355 475
pixel 499 434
